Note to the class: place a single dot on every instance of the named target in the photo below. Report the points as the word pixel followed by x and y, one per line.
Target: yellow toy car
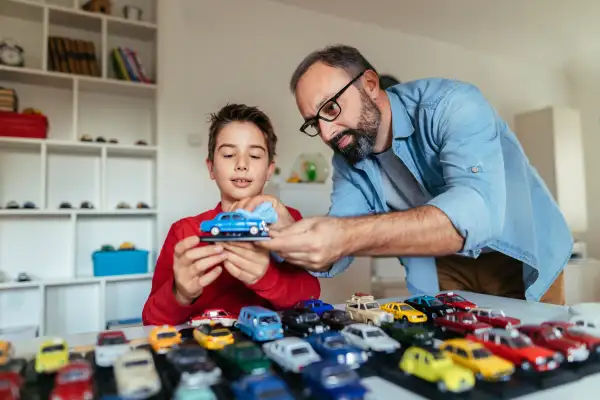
pixel 477 358
pixel 162 338
pixel 6 352
pixel 213 338
pixel 434 365
pixel 404 312
pixel 52 355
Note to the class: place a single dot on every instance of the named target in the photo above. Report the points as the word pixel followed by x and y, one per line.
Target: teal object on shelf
pixel 120 262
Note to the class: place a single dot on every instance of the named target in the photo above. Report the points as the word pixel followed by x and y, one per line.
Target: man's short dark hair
pixel 386 81
pixel 241 113
pixel 340 56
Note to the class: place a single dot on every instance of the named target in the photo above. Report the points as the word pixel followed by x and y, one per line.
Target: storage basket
pixel 120 262
pixel 30 126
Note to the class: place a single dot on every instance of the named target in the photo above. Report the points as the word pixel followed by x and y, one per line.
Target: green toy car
pixel 408 334
pixel 243 358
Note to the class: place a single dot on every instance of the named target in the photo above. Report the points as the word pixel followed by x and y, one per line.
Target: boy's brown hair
pixel 241 113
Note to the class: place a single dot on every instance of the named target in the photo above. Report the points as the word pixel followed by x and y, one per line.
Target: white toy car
pixel 291 353
pixel 110 346
pixel 214 316
pixel 369 337
pixel 587 317
pixel 136 376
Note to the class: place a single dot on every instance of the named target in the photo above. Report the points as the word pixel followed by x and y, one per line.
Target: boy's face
pixel 241 161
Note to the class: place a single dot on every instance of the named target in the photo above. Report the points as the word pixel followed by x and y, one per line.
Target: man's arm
pixel 470 212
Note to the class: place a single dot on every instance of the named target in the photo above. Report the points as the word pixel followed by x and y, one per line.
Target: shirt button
pixel 474 169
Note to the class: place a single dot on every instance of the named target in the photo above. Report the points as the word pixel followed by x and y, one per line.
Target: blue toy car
pixel 330 380
pixel 259 323
pixel 332 345
pixel 315 305
pixel 262 386
pixel 235 223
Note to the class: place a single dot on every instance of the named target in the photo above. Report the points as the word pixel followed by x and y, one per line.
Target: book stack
pixel 72 56
pixel 127 65
pixel 8 100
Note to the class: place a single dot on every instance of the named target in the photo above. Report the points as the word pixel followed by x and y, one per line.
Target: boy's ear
pixel 209 165
pixel 270 170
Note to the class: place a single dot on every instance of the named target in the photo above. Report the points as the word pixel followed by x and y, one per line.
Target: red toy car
pixel 455 300
pixel 10 385
pixel 214 316
pixel 573 332
pixel 460 322
pixel 73 381
pixel 496 318
pixel 551 338
pixel 518 349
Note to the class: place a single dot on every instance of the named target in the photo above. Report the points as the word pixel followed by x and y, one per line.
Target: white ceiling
pixel 563 33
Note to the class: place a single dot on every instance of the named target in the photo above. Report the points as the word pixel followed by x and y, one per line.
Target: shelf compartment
pixel 20 307
pixel 125 299
pixel 129 180
pixel 16 167
pixel 18 17
pixel 72 309
pixel 76 19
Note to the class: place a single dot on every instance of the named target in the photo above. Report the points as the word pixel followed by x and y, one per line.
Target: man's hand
pixel 190 265
pixel 246 261
pixel 313 243
pixel 284 219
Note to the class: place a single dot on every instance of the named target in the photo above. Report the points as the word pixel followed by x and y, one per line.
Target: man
pixel 426 171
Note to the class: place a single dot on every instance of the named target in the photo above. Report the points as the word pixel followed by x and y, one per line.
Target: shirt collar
pixel 402 126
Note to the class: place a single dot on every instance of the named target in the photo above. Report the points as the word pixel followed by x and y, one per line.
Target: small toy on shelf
pixel 86 138
pixel 113 141
pixel 11 54
pixel 12 205
pixel 434 365
pixel 100 139
pixel 495 318
pixel 29 205
pixel 315 305
pixel 318 377
pixel 123 205
pixel 107 247
pixel 477 358
pixel 98 6
pixel 405 312
pixel 141 143
pixel 362 307
pixel 291 353
pixel 86 205
pixel 214 316
pixel 110 345
pixel 163 338
pixel 126 246
pixel 135 372
pixel 141 205
pixel 369 337
pixel 74 381
pixel 430 306
pixel 23 277
pixel 259 323
pixel 65 204
pixel 551 338
pixel 213 337
pixel 456 301
pixel 51 356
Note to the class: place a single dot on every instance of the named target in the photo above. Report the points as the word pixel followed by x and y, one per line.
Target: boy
pixel 192 276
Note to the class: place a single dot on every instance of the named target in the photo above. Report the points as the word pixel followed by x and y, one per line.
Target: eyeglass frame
pixel 334 99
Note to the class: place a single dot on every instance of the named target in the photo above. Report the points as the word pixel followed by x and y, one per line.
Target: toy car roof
pixel 258 310
pixel 463 343
pixel 360 297
pixel 421 296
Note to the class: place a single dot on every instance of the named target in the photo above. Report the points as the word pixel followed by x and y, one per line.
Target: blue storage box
pixel 120 262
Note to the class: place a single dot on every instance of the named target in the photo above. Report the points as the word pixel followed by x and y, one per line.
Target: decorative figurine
pixel 65 204
pixel 86 138
pixel 12 205
pixel 141 205
pixel 29 205
pixel 86 205
pixel 123 205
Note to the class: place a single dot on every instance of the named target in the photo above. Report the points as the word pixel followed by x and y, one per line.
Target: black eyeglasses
pixel 330 109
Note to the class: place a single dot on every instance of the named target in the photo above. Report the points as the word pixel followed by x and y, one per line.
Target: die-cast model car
pixel 362 307
pixel 405 312
pixel 110 345
pixel 369 337
pixel 214 316
pixel 434 365
pixel 52 355
pixel 409 335
pixel 430 306
pixel 460 322
pixel 232 223
pixel 10 385
pixel 263 386
pixel 456 301
pixel 336 319
pixel 136 376
pixel 551 338
pixel 517 348
pixel 243 358
pixel 259 323
pixel 291 353
pixel 194 365
pixel 332 345
pixel 330 380
pixel 213 337
pixel 587 317
pixel 495 318
pixel 73 381
pixel 574 332
pixel 163 338
pixel 302 322
pixel 477 358
pixel 6 352
pixel 315 305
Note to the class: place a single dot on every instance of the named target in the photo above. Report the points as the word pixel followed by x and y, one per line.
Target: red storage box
pixel 31 126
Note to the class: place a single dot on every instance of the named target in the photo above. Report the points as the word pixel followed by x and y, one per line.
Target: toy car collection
pixel 280 354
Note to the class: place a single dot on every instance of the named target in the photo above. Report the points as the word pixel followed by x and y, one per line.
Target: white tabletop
pixel 528 312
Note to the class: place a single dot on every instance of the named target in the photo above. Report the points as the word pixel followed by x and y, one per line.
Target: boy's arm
pixel 284 284
pixel 162 307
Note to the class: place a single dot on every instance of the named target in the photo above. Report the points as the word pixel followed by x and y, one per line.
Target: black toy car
pixel 337 319
pixel 193 365
pixel 409 334
pixel 302 322
pixel 430 306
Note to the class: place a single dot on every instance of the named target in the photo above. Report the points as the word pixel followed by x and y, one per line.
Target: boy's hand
pixel 284 218
pixel 190 265
pixel 246 262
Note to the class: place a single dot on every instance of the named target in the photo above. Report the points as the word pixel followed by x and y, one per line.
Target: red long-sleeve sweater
pixel 282 286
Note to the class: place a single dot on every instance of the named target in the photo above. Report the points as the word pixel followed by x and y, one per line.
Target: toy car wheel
pixel 441 386
pixel 404 319
pixel 525 366
pixel 214 231
pixel 369 322
pixel 253 230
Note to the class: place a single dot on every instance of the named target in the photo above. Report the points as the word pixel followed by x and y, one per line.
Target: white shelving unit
pixel 55 245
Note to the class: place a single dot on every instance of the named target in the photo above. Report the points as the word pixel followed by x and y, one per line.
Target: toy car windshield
pixel 468 319
pixel 481 353
pixel 455 298
pixel 136 363
pixel 497 314
pixel 336 343
pixel 220 332
pixel 113 340
pixel 520 342
pixel 164 335
pixel 50 349
pixel 268 320
pixel 371 306
pixel 406 307
pixel 74 376
pixel 435 302
pixel 299 350
pixel 310 317
pixel 374 333
pixel 250 353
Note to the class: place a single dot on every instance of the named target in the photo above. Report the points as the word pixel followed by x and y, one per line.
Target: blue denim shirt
pixel 473 167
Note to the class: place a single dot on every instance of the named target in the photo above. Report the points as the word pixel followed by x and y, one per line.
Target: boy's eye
pixel 227 155
pixel 256 156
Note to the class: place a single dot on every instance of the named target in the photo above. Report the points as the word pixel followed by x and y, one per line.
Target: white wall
pixel 245 51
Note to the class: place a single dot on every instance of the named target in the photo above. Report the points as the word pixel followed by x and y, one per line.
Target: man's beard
pixel 363 137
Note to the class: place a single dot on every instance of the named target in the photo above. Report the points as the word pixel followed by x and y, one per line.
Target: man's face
pixel 352 134
pixel 241 161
